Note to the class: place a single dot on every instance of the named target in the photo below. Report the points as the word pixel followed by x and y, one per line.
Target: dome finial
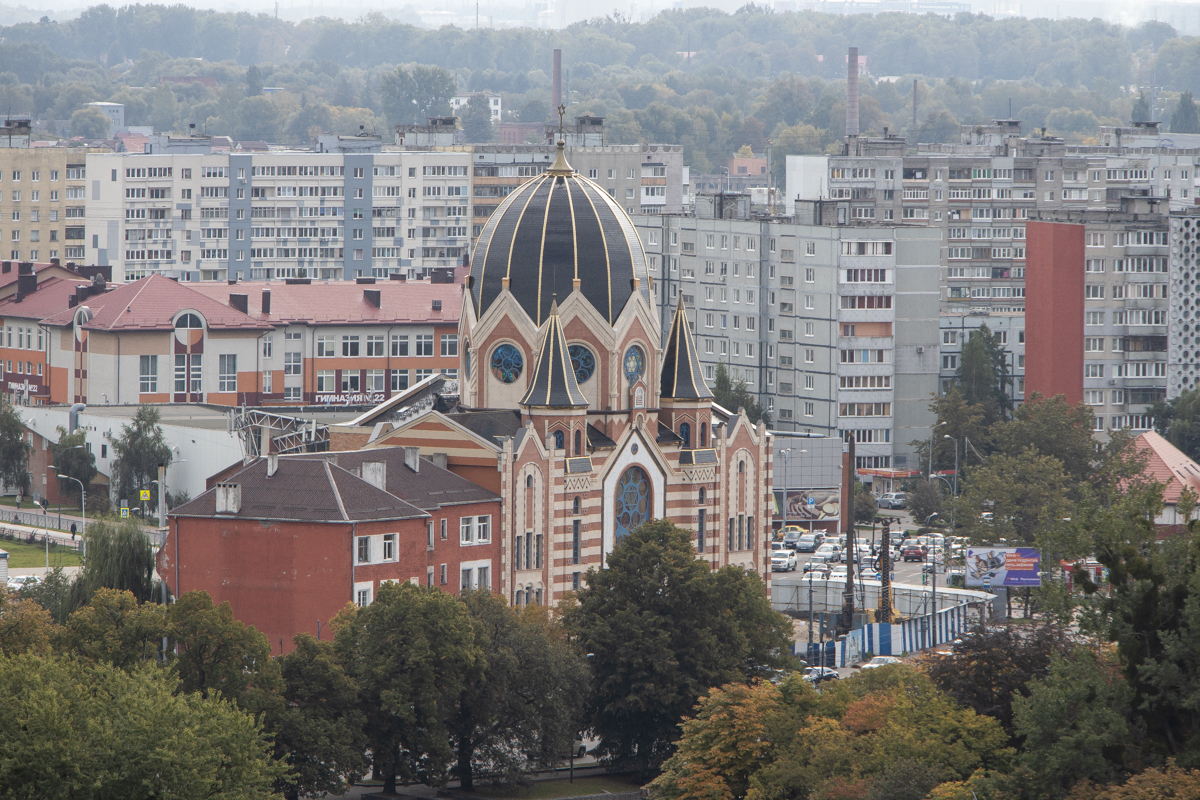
pixel 560 165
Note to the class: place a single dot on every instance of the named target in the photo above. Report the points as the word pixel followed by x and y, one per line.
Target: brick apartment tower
pixel 1054 287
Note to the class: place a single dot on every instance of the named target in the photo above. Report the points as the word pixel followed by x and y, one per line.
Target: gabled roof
pixel 51 297
pixel 553 384
pixel 152 304
pixel 1167 464
pixel 428 488
pixel 305 489
pixel 681 375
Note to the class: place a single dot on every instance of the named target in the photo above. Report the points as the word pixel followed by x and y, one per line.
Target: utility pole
pixel 885 575
pixel 848 477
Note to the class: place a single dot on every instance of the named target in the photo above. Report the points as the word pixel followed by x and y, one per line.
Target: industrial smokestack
pixel 556 84
pixel 852 93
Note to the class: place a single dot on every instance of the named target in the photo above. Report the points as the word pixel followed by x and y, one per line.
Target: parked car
pixel 783 560
pixel 808 543
pixel 791 537
pixel 831 552
pixel 837 574
pixel 880 661
pixel 816 675
pixel 892 500
pixel 913 552
pixel 817 564
pixel 18 582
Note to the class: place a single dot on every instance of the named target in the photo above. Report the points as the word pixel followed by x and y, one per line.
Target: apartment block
pixel 834 327
pixel 280 214
pixel 43 202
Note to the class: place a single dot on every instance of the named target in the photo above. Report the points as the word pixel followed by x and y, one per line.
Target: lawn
pixel 25 556
pixel 544 790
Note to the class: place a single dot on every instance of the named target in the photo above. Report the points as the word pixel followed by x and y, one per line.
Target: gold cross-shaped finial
pixel 562 109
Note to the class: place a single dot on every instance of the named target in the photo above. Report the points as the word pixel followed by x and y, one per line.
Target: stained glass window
pixel 507 362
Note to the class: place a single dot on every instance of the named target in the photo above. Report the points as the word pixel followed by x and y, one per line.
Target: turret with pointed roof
pixel 553 383
pixel 681 375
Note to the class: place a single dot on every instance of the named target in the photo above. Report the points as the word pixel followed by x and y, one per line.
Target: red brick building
pixel 1054 289
pixel 290 540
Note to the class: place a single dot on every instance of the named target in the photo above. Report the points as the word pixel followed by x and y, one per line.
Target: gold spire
pixel 560 167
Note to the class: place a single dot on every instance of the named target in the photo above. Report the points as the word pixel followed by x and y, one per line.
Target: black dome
pixel 549 231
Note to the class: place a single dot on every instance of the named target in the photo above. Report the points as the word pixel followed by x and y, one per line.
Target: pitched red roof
pixel 51 297
pixel 328 302
pixel 151 304
pixel 1168 465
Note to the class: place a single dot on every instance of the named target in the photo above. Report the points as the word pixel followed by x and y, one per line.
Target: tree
pixel 25 627
pixel 1075 723
pixel 986 668
pixel 413 95
pixel 113 629
pixel 138 452
pixel 1178 421
pixel 925 499
pixel 254 81
pixel 72 729
pixel 119 557
pixel 524 707
pixel 217 655
pixel 14 450
pixel 320 733
pixel 957 419
pixel 1053 428
pixel 1141 109
pixel 977 378
pixel 1151 784
pixel 73 458
pixel 865 507
pixel 91 123
pixel 534 111
pixel 732 395
pixel 412 652
pixel 1026 494
pixel 477 120
pixel 664 628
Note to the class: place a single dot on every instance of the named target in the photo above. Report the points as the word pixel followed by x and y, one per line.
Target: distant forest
pixel 711 81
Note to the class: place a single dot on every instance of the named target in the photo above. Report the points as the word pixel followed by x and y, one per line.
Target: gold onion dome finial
pixel 560 167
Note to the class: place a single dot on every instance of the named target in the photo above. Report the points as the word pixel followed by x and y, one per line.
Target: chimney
pixel 375 473
pixel 229 498
pixel 241 302
pixel 272 464
pixel 556 83
pixel 372 296
pixel 437 305
pixel 439 460
pixel 6 267
pixel 362 280
pixel 852 93
pixel 266 301
pixel 264 439
pixel 412 458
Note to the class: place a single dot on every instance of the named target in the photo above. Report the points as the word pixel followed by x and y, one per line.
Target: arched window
pixel 528 481
pixel 578 443
pixel 559 440
pixel 700 498
pixel 741 466
pixel 685 433
pixel 639 398
pixel 703 434
pixel 576 506
pixel 189 321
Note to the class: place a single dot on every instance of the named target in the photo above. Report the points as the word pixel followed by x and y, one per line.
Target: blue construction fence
pixel 918 633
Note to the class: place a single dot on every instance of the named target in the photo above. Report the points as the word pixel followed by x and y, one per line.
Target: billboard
pixel 808 505
pixel 1003 566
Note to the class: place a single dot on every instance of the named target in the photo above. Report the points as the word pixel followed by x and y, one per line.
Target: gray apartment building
pixel 835 327
pixel 981 192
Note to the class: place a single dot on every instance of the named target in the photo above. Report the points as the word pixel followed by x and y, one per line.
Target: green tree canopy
pixel 14 450
pixel 413 653
pixel 734 394
pixel 138 452
pixel 72 457
pixel 90 123
pixel 254 81
pixel 1178 421
pixel 663 629
pixel 477 121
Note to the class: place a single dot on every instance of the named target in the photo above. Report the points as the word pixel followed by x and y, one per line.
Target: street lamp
pixel 931 430
pixel 954 499
pixel 82 509
pixel 933 572
pixel 786 452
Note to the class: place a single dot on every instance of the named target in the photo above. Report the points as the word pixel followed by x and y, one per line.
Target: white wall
pixel 202 451
pixel 806 178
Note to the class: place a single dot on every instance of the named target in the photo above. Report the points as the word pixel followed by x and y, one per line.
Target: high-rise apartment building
pixel 43 202
pixel 833 327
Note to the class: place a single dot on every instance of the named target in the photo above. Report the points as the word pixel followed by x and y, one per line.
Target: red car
pixel 915 552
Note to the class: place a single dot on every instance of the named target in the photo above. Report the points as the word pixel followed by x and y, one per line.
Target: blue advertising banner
pixel 1003 566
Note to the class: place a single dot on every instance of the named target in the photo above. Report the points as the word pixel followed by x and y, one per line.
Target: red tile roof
pixel 151 304
pixel 1168 465
pixel 329 302
pixel 51 297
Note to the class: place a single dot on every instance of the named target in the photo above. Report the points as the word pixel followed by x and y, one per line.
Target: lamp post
pixel 955 498
pixel 931 430
pixel 786 452
pixel 933 595
pixel 82 511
